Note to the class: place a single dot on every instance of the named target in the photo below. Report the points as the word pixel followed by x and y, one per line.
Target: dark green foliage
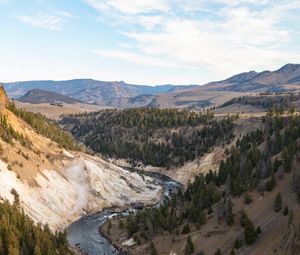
pixel 158 137
pixel 8 134
pixel 297 186
pixel 188 206
pixel 218 252
pixel 258 230
pixel 46 128
pixel 278 202
pixel 286 211
pixel 153 250
pixel 210 210
pixel 291 217
pixel 246 167
pixel 271 183
pixel 132 227
pixel 243 163
pixel 121 224
pixel 247 199
pixel 19 234
pixel 275 104
pixel 249 231
pixel 189 247
pixel 229 213
pixel 186 229
pixel 237 243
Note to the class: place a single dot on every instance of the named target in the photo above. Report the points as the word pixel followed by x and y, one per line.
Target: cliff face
pixel 4 101
pixel 56 186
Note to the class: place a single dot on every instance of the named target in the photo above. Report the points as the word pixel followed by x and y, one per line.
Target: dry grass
pixel 274 238
pixel 54 112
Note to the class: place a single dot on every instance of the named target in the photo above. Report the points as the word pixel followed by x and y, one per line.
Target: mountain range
pixel 91 91
pixel 120 94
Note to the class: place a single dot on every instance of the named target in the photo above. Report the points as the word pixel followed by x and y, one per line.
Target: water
pixel 84 233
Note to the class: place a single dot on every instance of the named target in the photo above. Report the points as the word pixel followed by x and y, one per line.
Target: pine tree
pixel 186 229
pixel 218 252
pixel 153 250
pixel 250 233
pixel 37 250
pixel 278 202
pixel 229 213
pixel 189 247
pixel 237 243
pixel 291 217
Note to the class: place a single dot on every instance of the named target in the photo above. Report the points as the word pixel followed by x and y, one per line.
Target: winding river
pixel 84 233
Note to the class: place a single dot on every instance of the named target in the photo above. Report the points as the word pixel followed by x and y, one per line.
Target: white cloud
pixel 52 21
pixel 134 58
pixel 130 6
pixel 239 35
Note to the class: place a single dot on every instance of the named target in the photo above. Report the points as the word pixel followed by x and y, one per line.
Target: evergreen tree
pixel 229 213
pixel 291 217
pixel 237 243
pixel 250 233
pixel 153 250
pixel 278 202
pixel 218 252
pixel 186 229
pixel 189 247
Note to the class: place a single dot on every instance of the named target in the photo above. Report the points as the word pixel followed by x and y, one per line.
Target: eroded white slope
pixel 89 184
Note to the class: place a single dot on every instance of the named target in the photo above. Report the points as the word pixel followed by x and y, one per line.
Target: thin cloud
pixel 129 7
pixel 52 21
pixel 236 36
pixel 134 58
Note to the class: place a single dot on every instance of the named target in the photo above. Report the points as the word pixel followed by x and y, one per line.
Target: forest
pixel 253 163
pixel 19 235
pixel 267 102
pixel 157 137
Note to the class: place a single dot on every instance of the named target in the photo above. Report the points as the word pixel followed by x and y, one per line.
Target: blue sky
pixel 146 41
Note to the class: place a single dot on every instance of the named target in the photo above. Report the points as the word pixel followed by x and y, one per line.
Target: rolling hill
pixel 39 96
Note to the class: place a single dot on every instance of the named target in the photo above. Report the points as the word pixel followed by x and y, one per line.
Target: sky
pixel 146 41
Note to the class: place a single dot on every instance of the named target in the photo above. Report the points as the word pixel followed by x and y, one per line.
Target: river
pixel 84 233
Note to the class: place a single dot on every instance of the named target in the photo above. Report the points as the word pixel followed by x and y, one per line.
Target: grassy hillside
pixel 46 128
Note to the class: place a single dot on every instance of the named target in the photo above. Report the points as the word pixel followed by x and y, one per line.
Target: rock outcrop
pixel 4 101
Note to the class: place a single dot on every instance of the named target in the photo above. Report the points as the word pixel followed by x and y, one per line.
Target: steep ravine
pixel 84 233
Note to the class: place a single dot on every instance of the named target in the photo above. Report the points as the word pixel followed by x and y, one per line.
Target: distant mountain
pixel 287 78
pixel 38 96
pixel 92 91
pixel 123 95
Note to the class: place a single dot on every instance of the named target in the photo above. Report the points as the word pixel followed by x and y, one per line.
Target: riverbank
pixel 119 249
pixel 87 234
